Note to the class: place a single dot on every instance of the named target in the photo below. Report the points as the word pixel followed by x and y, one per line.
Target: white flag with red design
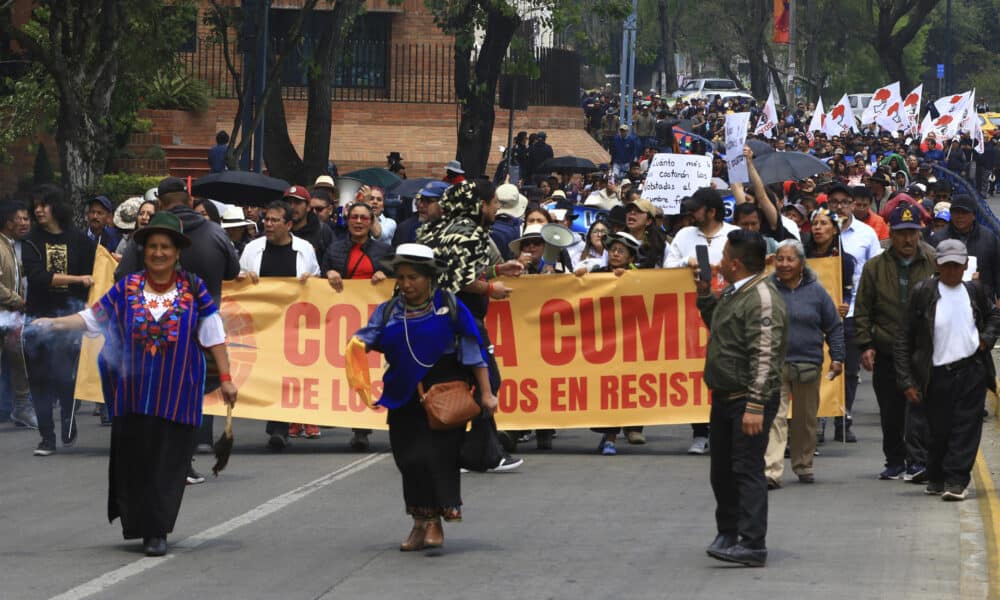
pixel 879 105
pixel 951 112
pixel 840 119
pixel 971 124
pixel 911 106
pixel 768 119
pixel 895 118
pixel 817 121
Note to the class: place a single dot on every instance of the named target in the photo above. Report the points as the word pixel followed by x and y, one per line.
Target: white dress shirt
pixel 860 241
pixel 682 248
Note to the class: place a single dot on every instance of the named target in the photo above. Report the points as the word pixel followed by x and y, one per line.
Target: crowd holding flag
pixel 951 111
pixel 768 118
pixel 840 119
pixel 818 120
pixel 881 102
pixel 911 105
pixel 971 124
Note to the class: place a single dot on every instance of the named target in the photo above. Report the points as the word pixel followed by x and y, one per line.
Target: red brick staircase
pixel 188 161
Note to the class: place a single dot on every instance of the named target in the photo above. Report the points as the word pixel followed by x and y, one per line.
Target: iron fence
pixel 387 72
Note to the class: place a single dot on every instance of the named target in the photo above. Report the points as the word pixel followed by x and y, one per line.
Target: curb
pixel 989 511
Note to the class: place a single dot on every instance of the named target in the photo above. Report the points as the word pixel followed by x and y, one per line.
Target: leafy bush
pixel 178 91
pixel 155 152
pixel 119 186
pixel 142 125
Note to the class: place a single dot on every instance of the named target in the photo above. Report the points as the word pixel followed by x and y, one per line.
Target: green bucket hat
pixel 164 222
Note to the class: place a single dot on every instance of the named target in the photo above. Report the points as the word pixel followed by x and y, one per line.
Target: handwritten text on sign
pixel 736 137
pixel 672 177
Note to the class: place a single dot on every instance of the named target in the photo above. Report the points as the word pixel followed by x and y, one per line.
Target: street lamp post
pixel 628 66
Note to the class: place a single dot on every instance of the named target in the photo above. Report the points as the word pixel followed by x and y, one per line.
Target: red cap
pixel 297 192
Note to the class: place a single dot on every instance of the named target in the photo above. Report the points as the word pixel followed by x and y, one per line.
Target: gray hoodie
pixel 211 255
pixel 812 317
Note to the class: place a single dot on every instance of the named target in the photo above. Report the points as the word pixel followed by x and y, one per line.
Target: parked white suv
pixel 705 88
pixel 859 102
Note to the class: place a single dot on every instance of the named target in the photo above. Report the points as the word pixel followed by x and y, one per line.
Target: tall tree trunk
pixel 668 47
pixel 890 39
pixel 776 75
pixel 476 91
pixel 755 42
pixel 84 147
pixel 814 16
pixel 319 115
pixel 279 153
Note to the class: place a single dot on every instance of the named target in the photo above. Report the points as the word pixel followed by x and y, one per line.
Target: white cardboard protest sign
pixel 736 137
pixel 675 176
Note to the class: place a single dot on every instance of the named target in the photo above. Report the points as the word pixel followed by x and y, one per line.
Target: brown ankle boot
pixel 434 534
pixel 414 541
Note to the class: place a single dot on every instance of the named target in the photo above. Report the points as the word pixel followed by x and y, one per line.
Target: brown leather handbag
pixel 449 404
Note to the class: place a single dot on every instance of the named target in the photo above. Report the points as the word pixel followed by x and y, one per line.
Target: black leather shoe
pixel 156 546
pixel 722 541
pixel 740 554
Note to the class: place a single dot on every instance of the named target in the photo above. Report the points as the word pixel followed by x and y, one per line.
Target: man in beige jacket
pixel 14 225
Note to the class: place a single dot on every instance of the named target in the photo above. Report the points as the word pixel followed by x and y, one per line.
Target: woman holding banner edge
pixel 812 320
pixel 155 323
pixel 427 336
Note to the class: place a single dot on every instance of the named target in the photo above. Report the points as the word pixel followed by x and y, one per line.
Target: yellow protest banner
pixel 573 352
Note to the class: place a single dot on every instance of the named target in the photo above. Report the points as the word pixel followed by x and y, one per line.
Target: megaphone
pixel 556 238
pixel 347 190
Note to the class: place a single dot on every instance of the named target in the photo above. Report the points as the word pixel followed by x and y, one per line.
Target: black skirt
pixel 428 459
pixel 147 473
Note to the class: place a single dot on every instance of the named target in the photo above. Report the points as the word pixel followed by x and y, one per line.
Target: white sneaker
pixel 699 446
pixel 507 463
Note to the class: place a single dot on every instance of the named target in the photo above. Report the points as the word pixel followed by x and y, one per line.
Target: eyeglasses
pixel 617 250
pixel 361 218
pixel 838 201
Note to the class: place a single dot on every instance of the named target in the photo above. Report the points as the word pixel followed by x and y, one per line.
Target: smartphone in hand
pixel 704 267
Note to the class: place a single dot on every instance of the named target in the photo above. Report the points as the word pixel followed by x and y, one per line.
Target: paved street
pixel 321 522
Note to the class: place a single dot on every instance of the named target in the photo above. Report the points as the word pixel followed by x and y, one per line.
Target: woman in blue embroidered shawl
pixel 428 337
pixel 155 324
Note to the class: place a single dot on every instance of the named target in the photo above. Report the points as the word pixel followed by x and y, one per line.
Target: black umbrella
pixel 383 178
pixel 783 166
pixel 568 164
pixel 408 188
pixel 242 188
pixel 759 148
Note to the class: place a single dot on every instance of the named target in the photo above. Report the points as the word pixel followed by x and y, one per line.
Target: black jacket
pixel 406 231
pixel 43 254
pixel 982 244
pixel 913 351
pixel 338 252
pixel 316 233
pixel 211 255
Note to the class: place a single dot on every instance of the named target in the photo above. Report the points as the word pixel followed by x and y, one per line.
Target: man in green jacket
pixel 879 314
pixel 748 332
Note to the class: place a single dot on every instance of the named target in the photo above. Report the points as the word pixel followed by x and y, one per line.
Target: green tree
pixel 322 55
pixel 477 69
pixel 975 47
pixel 895 24
pixel 95 54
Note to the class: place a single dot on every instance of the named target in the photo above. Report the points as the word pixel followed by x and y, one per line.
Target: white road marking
pixel 105 581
